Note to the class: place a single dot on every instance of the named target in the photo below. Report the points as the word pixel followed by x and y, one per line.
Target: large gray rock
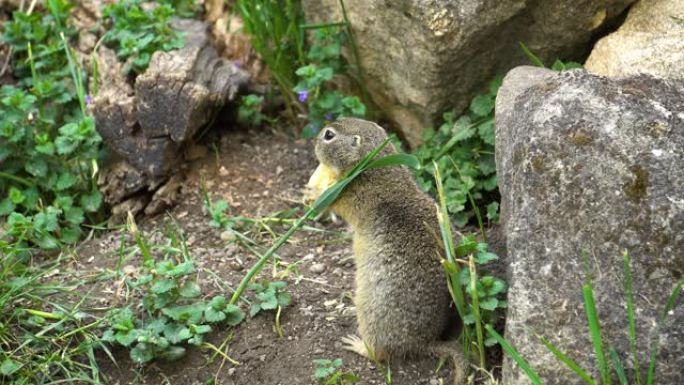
pixel 650 41
pixel 589 167
pixel 422 57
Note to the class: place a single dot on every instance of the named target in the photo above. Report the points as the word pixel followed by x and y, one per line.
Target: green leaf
pixel 202 329
pixel 126 338
pixel 16 196
pixel 92 201
pixel 218 302
pixel 191 313
pixel 37 167
pixel 176 333
pixel 9 366
pixel 6 206
pixel 65 180
pixel 70 235
pixel 141 354
pixel 482 105
pixel 267 302
pixel 212 315
pixel 190 289
pixel 254 309
pixel 486 131
pixel 163 286
pixel 74 215
pixel 173 353
pixel 489 303
pixel 284 299
pixel 493 212
pixel 233 315
pixel 182 269
pixel 485 257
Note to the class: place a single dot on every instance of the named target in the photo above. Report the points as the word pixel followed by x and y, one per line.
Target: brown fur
pixel 402 298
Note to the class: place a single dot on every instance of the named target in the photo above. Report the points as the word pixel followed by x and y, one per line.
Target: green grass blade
pixel 510 350
pixel 629 296
pixel 476 311
pixel 654 344
pixel 617 364
pixel 533 58
pixel 567 361
pixel 449 247
pixel 595 331
pixel 396 160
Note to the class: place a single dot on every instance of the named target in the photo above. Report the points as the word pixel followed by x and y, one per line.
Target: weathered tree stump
pixel 147 124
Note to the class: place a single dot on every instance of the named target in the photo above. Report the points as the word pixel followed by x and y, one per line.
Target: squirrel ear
pixel 357 141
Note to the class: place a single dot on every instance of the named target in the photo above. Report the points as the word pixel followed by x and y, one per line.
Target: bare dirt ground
pixel 257 173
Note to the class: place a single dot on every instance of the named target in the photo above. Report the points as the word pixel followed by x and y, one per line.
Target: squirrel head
pixel 342 144
pixel 339 147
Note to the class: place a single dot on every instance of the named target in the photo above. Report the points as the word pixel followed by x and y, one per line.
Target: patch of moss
pixel 636 188
pixel 581 138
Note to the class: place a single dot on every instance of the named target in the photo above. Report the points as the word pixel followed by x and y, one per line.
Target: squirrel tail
pixel 454 350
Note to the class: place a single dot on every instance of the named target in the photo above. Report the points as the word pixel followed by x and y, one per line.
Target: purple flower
pixel 302 96
pixel 328 116
pixel 88 100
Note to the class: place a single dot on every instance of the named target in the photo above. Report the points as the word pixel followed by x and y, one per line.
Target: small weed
pixel 274 28
pixel 314 88
pixel 329 372
pixel 268 296
pixel 463 150
pixel 136 33
pixel 48 146
pixel 557 64
pixel 184 8
pixel 476 297
pixel 174 313
pixel 249 112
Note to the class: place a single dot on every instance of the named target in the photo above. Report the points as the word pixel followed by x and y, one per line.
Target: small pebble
pixel 228 236
pixel 235 266
pixel 317 268
pixel 337 272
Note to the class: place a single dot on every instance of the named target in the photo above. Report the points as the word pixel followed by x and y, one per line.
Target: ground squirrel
pixel 402 299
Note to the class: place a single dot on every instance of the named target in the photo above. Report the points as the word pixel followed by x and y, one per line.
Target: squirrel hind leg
pixel 355 344
pixel 454 350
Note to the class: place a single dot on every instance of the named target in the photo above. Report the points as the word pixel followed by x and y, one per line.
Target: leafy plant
pixel 174 313
pixel 42 33
pixel 463 150
pixel 315 84
pixel 268 296
pixel 274 28
pixel 183 8
pixel 48 148
pixel 557 64
pixel 136 33
pixel 476 297
pixel 329 372
pixel 249 112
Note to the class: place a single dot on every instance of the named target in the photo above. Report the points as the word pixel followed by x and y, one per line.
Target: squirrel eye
pixel 328 135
